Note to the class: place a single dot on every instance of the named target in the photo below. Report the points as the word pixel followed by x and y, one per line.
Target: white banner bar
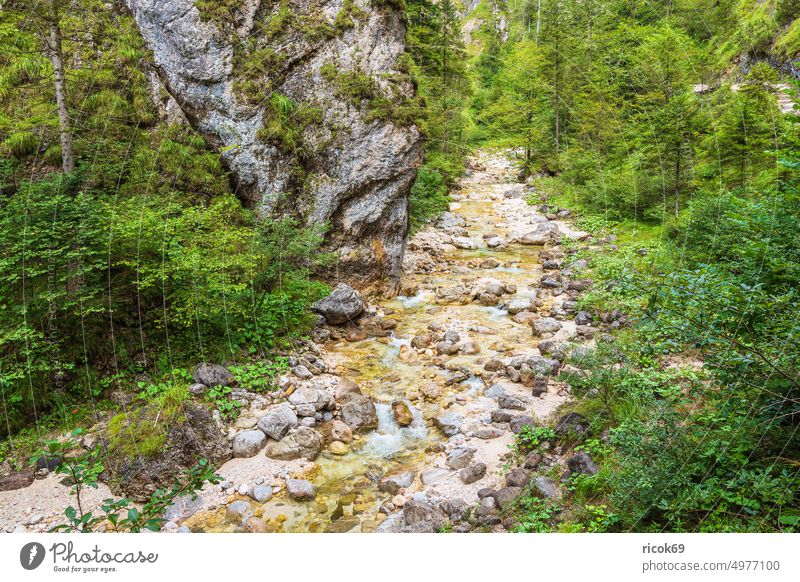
pixel 400 557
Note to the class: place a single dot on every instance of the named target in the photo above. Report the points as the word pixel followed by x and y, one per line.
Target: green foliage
pixel 530 437
pixel 259 376
pixel 535 515
pixel 83 469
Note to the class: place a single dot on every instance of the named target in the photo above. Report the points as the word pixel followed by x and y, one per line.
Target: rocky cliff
pixel 309 106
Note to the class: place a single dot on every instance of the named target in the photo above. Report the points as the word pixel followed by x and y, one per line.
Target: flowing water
pixel 388 369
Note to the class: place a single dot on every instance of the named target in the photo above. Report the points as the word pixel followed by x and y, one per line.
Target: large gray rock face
pixel 348 167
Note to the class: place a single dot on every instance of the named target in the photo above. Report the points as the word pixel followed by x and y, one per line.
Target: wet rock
pixel 212 375
pixel 422 341
pixel 489 263
pixel 402 413
pixel 464 243
pixel 457 293
pixel 256 525
pixel 431 391
pixel 358 412
pixel 238 512
pixel 278 421
pixel 356 335
pixel 300 489
pixel 494 365
pixel 581 464
pixel 446 348
pixel 338 448
pixel 460 457
pixel 549 282
pixel 473 473
pixel 395 481
pixel 247 443
pixel 449 423
pixel 302 442
pixel 517 478
pixel 546 488
pixel 518 422
pixel 341 432
pixel 342 305
pixel 572 424
pixel 546 325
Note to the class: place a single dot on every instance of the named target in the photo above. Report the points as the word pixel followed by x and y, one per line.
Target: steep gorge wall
pixel 307 104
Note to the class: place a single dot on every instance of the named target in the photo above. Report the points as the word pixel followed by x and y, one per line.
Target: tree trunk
pixel 67 158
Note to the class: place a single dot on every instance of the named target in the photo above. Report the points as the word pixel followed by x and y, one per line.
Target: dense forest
pixel 666 127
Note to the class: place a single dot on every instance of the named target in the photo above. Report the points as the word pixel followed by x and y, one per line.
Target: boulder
pixel 341 432
pixel 449 423
pixel 300 490
pixel 402 413
pixel 572 424
pixel 278 421
pixel 302 442
pixel 212 375
pixel 238 512
pixel 517 478
pixel 546 325
pixel 342 305
pixel 507 496
pixel 247 443
pixel 308 401
pixel 261 493
pixel 421 512
pixel 395 481
pixel 546 488
pixel 581 464
pixel 460 457
pixel 473 473
pixel 358 412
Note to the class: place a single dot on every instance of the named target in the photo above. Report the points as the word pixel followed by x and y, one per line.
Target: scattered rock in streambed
pixel 261 493
pixel 460 457
pixel 342 305
pixel 212 375
pixel 341 432
pixel 546 325
pixel 402 413
pixel 358 412
pixel 395 481
pixel 302 442
pixel 300 489
pixel 278 421
pixel 239 512
pixel 472 473
pixel 449 423
pixel 248 443
pixel 308 401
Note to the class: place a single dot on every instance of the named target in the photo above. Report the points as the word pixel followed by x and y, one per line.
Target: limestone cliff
pixel 308 104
